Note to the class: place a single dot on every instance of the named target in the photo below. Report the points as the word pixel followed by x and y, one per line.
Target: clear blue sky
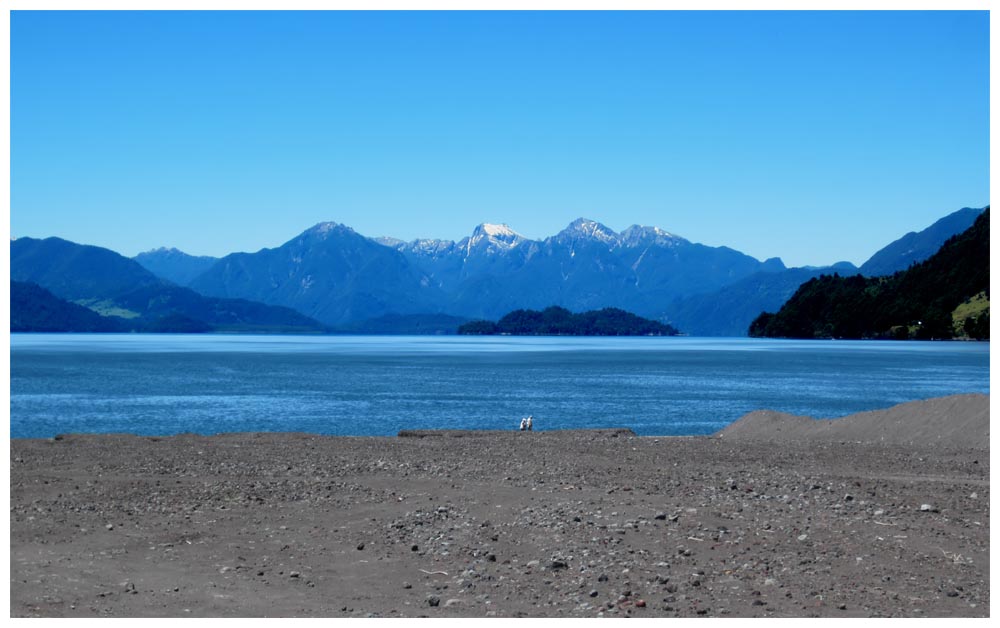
pixel 812 136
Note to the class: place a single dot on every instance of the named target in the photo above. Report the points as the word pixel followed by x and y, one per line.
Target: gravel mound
pixel 955 421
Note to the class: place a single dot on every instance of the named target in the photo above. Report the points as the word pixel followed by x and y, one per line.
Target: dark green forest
pixel 558 321
pixel 33 308
pixel 917 303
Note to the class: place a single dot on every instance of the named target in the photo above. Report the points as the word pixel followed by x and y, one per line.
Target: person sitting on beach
pixel 529 421
pixel 524 423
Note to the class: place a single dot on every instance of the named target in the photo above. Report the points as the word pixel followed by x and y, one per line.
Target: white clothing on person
pixel 529 423
pixel 524 424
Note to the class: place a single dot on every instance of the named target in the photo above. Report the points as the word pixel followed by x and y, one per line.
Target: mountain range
pixel 118 287
pixel 337 276
pixel 347 281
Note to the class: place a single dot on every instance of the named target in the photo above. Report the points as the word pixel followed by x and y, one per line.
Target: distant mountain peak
pixel 499 231
pixel 638 234
pixel 164 250
pixel 590 230
pixel 495 237
pixel 324 229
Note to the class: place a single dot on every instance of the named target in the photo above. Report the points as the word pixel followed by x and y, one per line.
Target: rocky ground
pixel 536 524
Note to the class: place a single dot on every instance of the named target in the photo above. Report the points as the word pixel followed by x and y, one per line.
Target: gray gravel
pixel 543 524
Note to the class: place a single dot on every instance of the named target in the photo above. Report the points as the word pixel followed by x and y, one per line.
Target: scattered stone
pixel 719 567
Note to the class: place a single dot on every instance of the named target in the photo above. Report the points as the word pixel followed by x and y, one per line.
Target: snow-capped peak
pixel 324 230
pixel 492 238
pixel 500 232
pixel 636 235
pixel 495 236
pixel 324 227
pixel 591 230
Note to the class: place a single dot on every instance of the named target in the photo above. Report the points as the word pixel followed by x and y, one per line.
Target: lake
pixel 378 385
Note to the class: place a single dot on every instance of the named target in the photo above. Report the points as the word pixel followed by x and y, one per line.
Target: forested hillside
pixel 946 296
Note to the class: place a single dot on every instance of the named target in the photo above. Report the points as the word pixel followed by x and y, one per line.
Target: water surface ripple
pixel 378 385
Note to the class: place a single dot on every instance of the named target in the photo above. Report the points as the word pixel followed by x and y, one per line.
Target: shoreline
pixel 960 420
pixel 548 524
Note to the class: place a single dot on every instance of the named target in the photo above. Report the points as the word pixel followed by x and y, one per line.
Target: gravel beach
pixel 882 514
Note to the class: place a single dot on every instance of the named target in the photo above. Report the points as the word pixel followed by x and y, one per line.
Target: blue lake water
pixel 365 385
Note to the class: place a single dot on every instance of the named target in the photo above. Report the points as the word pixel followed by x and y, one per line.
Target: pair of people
pixel 526 423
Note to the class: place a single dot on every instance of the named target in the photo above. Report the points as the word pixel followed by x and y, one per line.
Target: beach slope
pixel 884 514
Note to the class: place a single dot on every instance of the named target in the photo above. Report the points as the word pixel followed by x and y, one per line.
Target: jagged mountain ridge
pixel 587 265
pixel 647 270
pixel 333 274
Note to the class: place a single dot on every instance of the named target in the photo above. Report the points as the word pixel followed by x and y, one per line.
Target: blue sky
pixel 812 136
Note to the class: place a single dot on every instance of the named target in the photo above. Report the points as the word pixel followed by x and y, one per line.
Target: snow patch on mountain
pixel 431 247
pixel 324 229
pixel 392 243
pixel 583 228
pixel 637 235
pixel 493 238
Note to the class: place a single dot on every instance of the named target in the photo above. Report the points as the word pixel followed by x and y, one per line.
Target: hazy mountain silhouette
pixel 174 265
pixel 113 285
pixel 917 246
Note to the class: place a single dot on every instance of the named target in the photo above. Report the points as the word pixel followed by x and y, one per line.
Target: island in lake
pixel 558 321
